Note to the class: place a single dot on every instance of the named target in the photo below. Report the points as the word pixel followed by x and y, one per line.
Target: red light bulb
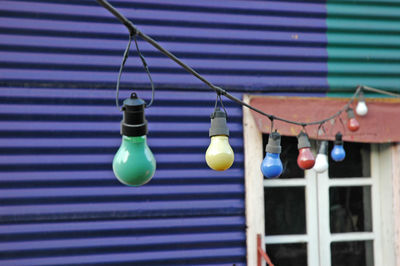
pixel 352 122
pixel 306 159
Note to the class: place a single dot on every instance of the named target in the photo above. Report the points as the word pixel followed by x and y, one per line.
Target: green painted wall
pixel 363 45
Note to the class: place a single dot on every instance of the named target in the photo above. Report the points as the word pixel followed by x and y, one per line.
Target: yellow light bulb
pixel 219 155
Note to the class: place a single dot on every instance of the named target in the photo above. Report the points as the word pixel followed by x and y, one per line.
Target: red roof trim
pixel 380 125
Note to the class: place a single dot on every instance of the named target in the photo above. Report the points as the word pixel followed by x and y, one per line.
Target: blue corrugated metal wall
pixel 59 128
pixel 238 44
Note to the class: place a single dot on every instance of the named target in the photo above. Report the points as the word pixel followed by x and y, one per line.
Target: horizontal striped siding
pixel 134 241
pixel 238 44
pixel 60 202
pixel 364 44
pixel 59 129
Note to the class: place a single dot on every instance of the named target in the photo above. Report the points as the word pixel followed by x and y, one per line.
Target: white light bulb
pixel 321 163
pixel 361 108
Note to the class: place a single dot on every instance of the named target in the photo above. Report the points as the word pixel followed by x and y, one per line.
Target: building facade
pixel 59 130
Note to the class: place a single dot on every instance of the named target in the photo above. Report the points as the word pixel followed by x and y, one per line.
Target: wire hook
pixel 272 123
pixel 341 121
pixel 219 99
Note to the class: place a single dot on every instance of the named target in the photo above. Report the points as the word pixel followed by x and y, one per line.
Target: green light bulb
pixel 134 163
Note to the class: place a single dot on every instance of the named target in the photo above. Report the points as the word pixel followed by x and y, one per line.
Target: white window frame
pixel 385 183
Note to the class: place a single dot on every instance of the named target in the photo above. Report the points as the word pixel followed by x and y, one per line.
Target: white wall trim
pixel 254 189
pixel 395 153
pixel 356 236
pixel 288 239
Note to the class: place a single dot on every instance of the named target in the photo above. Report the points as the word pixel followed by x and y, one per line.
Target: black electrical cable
pixel 134 31
pixel 381 91
pixel 124 58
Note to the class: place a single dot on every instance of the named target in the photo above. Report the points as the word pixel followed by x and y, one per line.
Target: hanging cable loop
pixel 124 58
pixel 146 67
pixel 219 99
pixel 341 122
pixel 272 123
pixel 320 128
pixel 223 107
pixel 215 107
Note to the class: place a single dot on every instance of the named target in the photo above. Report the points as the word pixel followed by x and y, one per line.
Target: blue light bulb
pixel 338 154
pixel 271 166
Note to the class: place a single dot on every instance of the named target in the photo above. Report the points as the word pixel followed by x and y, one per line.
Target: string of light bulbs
pixel 134 163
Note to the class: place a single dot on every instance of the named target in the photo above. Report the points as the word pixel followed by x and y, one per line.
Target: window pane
pixel 350 209
pixel 356 164
pixel 358 253
pixel 288 157
pixel 285 210
pixel 288 254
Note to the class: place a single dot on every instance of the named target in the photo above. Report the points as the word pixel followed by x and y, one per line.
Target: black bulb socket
pixel 338 139
pixel 134 123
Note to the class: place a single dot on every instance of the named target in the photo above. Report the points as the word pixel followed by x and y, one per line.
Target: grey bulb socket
pixel 361 97
pixel 323 148
pixel 350 113
pixel 303 141
pixel 218 124
pixel 274 143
